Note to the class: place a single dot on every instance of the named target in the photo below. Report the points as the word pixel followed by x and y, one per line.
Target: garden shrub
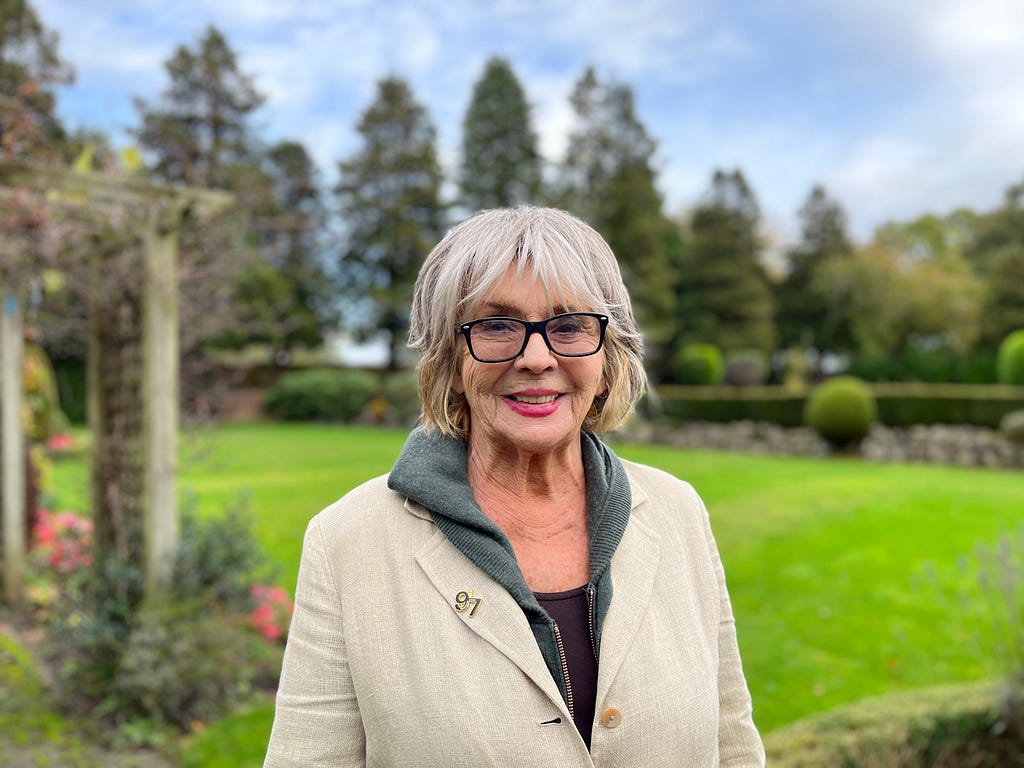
pixel 841 410
pixel 723 404
pixel 182 664
pixel 934 366
pixel 1012 425
pixel 745 368
pixel 906 404
pixel 1010 360
pixel 965 725
pixel 899 404
pixel 325 394
pixel 217 634
pixel 402 393
pixel 220 558
pixel 699 365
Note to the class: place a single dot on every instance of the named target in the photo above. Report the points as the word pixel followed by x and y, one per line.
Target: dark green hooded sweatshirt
pixel 432 470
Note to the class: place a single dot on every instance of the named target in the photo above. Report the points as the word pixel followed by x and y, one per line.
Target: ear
pixel 458 386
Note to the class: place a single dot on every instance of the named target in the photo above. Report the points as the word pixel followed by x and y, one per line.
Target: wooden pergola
pixel 132 378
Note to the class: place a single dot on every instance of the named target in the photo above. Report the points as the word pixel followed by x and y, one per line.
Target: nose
pixel 536 356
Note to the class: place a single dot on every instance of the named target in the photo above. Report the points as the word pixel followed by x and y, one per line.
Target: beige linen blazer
pixel 402 653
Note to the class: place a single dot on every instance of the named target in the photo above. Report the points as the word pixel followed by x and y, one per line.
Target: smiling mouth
pixel 534 400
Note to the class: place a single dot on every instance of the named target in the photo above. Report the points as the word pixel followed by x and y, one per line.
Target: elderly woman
pixel 513 593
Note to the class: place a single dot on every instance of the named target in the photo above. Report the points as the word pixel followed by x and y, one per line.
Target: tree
pixel 892 301
pixel 285 299
pixel 251 276
pixel 389 195
pixel 30 68
pixel 608 178
pixel 724 296
pixel 199 132
pixel 501 166
pixel 997 254
pixel 805 316
pixel 1004 294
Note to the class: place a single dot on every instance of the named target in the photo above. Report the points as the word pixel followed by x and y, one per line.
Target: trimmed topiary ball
pixel 699 365
pixel 1010 362
pixel 841 410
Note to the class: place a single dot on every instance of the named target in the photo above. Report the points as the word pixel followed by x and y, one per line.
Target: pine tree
pixel 286 300
pixel 200 132
pixel 250 276
pixel 725 298
pixel 806 316
pixel 501 166
pixel 608 178
pixel 389 196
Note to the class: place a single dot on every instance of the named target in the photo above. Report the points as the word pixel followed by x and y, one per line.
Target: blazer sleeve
pixel 317 721
pixel 739 744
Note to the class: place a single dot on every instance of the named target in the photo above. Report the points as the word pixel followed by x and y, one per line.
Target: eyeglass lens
pixel 500 338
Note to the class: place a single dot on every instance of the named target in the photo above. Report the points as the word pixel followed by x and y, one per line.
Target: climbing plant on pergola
pixel 131 228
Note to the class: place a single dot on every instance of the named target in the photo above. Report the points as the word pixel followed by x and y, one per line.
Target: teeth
pixel 534 400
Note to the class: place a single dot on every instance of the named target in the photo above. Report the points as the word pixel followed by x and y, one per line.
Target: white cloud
pixel 933 118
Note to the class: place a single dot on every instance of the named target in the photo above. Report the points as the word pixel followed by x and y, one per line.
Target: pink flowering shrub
pixel 63 541
pixel 273 612
pixel 60 442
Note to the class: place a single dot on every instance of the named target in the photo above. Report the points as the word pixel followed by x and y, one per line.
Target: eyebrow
pixel 499 308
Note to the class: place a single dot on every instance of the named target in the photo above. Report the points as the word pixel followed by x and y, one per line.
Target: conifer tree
pixel 251 276
pixel 389 196
pixel 501 166
pixel 806 316
pixel 199 132
pixel 286 299
pixel 608 178
pixel 724 296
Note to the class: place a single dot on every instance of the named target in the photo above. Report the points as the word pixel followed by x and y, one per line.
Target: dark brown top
pixel 571 614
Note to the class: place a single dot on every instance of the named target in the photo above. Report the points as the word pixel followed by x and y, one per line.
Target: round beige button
pixel 611 718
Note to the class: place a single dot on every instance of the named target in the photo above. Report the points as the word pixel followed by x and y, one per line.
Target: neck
pixel 533 495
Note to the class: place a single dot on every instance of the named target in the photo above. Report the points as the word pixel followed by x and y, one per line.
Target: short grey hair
pixel 567 257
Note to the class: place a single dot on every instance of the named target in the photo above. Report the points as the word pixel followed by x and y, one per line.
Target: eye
pixel 566 326
pixel 496 327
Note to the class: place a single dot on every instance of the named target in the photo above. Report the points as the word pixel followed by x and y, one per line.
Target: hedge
pixel 965 724
pixel 899 405
pixel 722 403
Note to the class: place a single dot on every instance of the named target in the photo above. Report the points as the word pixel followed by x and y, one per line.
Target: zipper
pixel 590 617
pixel 565 671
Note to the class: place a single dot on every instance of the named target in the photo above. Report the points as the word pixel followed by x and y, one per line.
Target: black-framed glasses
pixel 500 339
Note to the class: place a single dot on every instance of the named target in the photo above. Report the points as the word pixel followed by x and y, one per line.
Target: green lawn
pixel 842 573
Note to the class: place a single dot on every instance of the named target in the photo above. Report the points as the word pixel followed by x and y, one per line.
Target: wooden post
pixel 12 448
pixel 160 381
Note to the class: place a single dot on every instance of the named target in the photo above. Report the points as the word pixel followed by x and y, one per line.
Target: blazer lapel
pixel 633 570
pixel 487 609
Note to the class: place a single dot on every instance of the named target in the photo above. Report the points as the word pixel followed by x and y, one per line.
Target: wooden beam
pixel 92 189
pixel 160 382
pixel 12 448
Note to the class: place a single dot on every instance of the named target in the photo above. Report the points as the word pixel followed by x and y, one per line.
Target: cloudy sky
pixel 899 107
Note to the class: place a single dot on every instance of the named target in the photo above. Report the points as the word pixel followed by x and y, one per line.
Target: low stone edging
pixel 962 445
